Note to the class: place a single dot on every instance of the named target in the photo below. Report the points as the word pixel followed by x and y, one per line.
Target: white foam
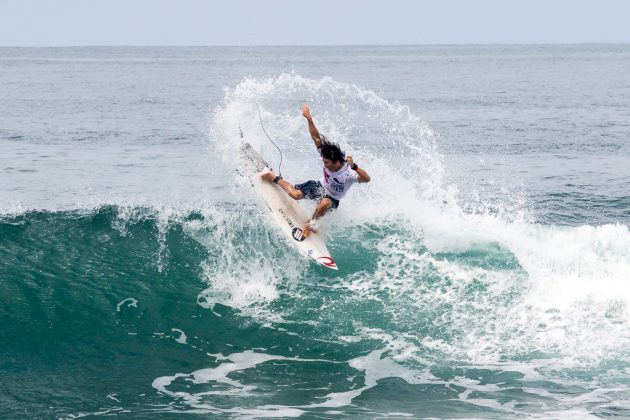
pixel 374 366
pixel 182 339
pixel 565 293
pixel 130 302
pixel 247 261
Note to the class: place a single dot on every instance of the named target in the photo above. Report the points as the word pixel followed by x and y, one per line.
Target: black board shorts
pixel 314 190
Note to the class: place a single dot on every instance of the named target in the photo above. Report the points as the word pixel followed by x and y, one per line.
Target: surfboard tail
pixel 328 262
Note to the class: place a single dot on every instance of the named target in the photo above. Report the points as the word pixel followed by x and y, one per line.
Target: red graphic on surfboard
pixel 328 262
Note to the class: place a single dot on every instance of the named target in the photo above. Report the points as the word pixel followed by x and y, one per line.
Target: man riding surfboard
pixel 338 175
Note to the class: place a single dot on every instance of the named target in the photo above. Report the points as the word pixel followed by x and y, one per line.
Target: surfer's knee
pixel 326 203
pixel 323 206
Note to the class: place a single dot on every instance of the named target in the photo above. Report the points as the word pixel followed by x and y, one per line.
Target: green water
pixel 97 305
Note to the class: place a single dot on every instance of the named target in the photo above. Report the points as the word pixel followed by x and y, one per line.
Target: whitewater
pixel 484 271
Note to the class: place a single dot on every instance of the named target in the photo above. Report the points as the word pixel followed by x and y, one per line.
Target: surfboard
pixel 287 212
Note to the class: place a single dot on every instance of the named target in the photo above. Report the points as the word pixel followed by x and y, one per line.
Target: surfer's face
pixel 331 166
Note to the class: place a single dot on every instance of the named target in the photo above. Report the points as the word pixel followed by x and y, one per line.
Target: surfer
pixel 339 173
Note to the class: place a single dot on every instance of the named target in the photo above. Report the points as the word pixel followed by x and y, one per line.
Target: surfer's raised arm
pixel 306 111
pixel 363 176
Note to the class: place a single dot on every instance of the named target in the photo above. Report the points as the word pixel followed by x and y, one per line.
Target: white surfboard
pixel 287 212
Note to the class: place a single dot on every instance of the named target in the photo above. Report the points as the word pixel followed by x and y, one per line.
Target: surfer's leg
pixel 293 192
pixel 322 207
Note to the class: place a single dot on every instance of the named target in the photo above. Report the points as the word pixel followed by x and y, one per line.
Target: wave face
pixel 212 312
pixel 450 302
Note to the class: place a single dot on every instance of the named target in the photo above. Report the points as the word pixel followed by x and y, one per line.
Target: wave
pixel 427 280
pixel 485 292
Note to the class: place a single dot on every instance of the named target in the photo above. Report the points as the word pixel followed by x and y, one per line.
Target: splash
pixel 494 283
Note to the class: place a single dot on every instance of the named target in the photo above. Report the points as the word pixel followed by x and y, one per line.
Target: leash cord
pixel 270 139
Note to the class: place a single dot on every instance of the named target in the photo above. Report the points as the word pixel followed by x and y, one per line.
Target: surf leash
pixel 271 140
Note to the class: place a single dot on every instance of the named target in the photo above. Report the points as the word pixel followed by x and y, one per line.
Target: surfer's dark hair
pixel 331 151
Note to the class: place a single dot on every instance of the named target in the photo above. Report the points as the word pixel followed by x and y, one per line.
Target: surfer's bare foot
pixel 268 176
pixel 307 230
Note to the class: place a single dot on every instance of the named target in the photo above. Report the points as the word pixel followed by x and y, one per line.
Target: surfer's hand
pixel 349 161
pixel 306 111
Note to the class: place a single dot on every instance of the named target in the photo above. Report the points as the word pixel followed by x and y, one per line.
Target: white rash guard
pixel 338 183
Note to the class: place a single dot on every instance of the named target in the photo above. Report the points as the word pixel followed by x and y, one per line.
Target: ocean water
pixel 484 272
